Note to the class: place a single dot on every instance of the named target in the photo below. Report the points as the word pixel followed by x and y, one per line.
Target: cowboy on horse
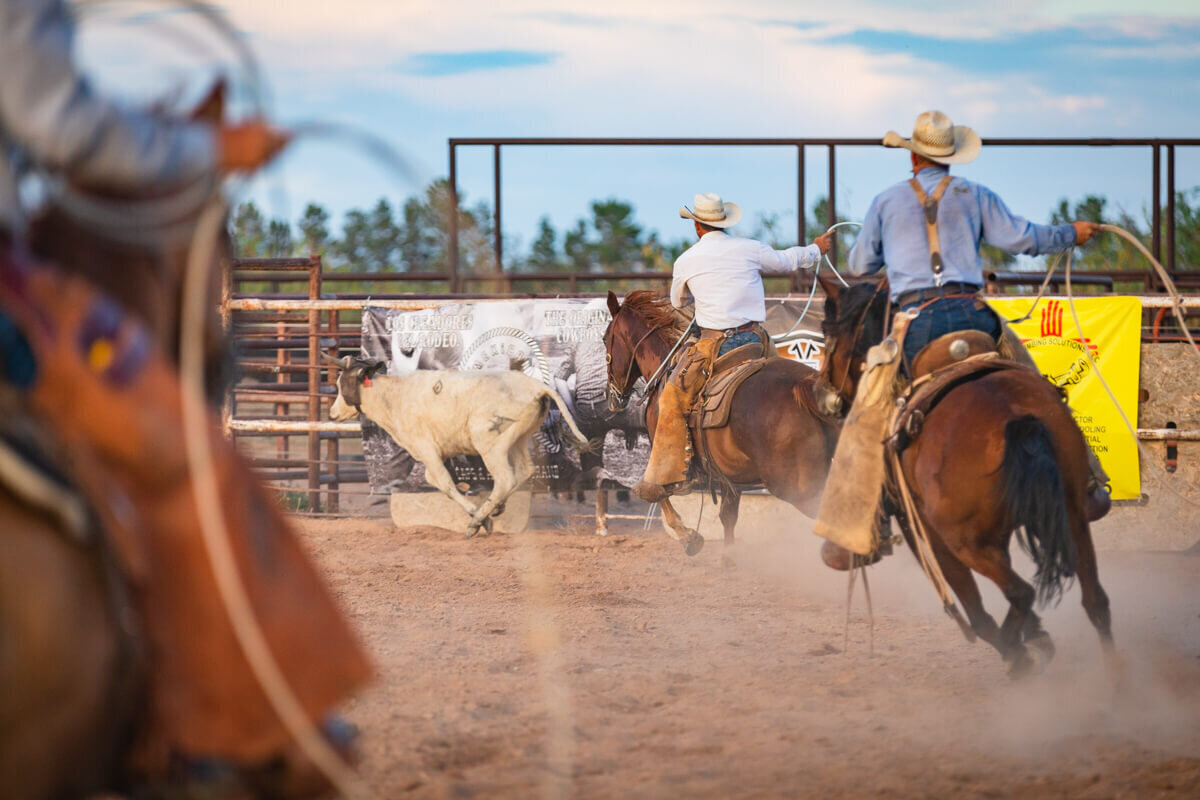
pixel 723 276
pixel 928 231
pixel 89 401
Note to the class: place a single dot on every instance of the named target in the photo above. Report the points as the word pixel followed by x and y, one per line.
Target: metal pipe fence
pixel 278 411
pixel 1156 146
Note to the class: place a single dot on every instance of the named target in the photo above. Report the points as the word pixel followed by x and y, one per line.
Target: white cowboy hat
pixel 937 138
pixel 712 212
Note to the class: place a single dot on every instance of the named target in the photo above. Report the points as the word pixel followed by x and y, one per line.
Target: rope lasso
pixel 812 292
pixel 1148 457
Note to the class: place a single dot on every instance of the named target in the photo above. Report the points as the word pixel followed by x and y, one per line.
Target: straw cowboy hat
pixel 712 212
pixel 937 138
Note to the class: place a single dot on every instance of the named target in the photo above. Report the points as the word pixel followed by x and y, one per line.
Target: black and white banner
pixel 559 342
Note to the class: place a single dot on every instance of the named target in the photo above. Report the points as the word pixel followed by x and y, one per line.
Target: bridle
pixel 621 393
pixel 837 406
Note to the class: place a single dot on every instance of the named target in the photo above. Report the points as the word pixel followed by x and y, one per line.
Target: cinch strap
pixel 930 204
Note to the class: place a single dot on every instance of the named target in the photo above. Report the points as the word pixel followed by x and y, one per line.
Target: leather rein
pixel 623 392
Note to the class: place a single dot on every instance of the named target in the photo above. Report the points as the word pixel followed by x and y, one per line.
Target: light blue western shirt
pixel 893 233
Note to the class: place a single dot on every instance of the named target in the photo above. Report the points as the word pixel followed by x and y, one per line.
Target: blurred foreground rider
pixel 50 116
pixel 75 365
pixel 934 268
pixel 723 275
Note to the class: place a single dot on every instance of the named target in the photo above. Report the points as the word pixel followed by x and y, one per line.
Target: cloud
pixel 436 65
pixel 420 72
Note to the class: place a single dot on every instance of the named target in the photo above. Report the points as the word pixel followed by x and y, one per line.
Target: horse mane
pixel 654 308
pixel 864 304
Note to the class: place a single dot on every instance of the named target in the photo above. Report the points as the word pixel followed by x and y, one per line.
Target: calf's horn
pixel 332 360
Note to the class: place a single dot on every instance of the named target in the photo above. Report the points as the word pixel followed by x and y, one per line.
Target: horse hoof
pixel 1020 666
pixel 488 525
pixel 1041 650
pixel 693 543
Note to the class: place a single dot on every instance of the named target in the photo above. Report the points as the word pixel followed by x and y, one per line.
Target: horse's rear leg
pixel 962 582
pixel 1095 599
pixel 994 563
pixel 730 500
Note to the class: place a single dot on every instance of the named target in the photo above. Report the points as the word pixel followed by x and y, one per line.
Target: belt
pixel 749 326
pixel 934 292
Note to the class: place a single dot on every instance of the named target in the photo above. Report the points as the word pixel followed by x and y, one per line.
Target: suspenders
pixel 930 204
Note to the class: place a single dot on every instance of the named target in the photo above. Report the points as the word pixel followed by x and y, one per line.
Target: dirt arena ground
pixel 562 664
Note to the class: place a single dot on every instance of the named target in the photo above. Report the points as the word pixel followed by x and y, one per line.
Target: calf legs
pixel 510 465
pixel 441 479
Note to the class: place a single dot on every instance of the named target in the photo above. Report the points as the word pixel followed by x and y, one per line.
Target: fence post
pixel 332 446
pixel 832 215
pixel 1156 220
pixel 801 233
pixel 282 358
pixel 314 384
pixel 497 236
pixel 227 406
pixel 1170 211
pixel 452 224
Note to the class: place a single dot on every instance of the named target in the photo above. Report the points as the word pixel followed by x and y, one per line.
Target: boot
pixel 1099 499
pixel 837 557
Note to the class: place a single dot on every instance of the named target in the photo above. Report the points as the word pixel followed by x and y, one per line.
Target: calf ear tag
pixel 367 381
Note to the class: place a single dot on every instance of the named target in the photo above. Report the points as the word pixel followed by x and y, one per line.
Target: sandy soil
pixel 562 664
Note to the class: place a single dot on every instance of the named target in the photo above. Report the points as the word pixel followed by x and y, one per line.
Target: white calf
pixel 436 414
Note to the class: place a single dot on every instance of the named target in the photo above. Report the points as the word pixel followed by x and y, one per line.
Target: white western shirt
pixel 724 275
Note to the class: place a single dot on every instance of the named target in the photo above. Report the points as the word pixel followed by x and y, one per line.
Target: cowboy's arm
pixel 771 260
pixel 866 256
pixel 52 112
pixel 681 296
pixel 1013 234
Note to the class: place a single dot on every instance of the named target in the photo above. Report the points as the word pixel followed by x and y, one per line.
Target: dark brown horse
pixel 775 437
pixel 997 454
pixel 79 643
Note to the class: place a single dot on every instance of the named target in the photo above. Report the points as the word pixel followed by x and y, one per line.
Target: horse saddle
pixel 730 371
pixel 945 363
pixel 31 474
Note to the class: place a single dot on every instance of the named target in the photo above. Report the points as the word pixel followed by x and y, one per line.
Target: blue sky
pixel 417 73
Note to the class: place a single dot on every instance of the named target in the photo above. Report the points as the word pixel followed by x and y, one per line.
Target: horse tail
pixel 1035 501
pixel 582 444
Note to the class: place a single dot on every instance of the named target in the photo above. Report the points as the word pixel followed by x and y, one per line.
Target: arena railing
pixel 1158 148
pixel 278 410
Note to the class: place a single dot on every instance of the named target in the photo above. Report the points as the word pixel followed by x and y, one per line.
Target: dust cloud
pixel 726 675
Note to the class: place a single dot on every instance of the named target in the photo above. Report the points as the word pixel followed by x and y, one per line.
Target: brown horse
pixel 775 437
pixel 76 650
pixel 67 664
pixel 997 454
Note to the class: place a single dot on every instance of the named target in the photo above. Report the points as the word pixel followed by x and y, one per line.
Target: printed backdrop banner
pixel 559 342
pixel 1113 336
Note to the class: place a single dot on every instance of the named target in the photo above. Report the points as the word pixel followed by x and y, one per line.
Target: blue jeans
pixel 947 315
pixel 737 340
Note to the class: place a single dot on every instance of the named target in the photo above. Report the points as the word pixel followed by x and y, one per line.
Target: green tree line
pixel 412 238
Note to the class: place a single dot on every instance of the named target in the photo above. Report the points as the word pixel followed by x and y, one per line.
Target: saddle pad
pixel 712 410
pixel 927 391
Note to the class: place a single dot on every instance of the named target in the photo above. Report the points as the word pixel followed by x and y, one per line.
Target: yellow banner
pixel 1112 332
